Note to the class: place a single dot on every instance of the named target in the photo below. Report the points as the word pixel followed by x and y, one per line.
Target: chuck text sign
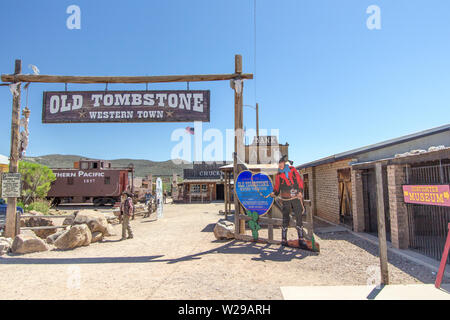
pixel 126 106
pixel 436 195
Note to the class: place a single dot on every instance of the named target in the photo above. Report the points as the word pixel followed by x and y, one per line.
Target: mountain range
pixel 142 167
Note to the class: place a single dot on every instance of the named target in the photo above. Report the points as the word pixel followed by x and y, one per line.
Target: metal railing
pixel 428 224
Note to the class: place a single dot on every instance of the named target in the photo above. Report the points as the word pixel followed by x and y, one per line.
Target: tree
pixel 36 181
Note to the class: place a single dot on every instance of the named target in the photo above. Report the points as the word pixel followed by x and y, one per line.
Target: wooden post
pixel 270 226
pixel 238 139
pixel 10 227
pixel 225 189
pixel 381 225
pixel 236 201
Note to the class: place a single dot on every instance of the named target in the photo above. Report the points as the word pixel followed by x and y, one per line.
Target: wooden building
pixel 205 182
pixel 342 188
pixel 268 148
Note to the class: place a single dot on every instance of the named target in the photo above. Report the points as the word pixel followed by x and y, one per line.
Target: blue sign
pixel 253 191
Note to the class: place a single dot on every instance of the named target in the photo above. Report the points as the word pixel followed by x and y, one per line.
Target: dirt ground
pixel 177 257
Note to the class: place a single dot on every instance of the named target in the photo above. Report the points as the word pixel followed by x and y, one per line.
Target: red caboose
pixel 90 181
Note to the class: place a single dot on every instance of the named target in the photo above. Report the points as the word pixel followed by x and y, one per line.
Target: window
pixel 107 180
pixel 204 188
pixel 84 165
pixel 101 164
pixel 195 188
pixel 70 181
pixel 306 187
pixel 95 165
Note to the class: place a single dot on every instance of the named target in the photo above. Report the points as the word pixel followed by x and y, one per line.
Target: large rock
pixel 68 221
pixel 52 238
pixel 95 220
pixel 76 236
pixel 5 245
pixel 26 243
pixel 224 230
pixel 41 222
pixel 110 217
pixel 110 231
pixel 96 237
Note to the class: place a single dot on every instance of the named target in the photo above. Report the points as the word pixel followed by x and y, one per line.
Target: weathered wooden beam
pixel 122 79
pixel 244 237
pixel 46 216
pixel 381 224
pixel 11 216
pixel 268 221
pixel 43 228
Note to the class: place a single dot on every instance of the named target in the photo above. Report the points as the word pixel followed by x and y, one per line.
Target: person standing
pixel 126 211
pixel 289 187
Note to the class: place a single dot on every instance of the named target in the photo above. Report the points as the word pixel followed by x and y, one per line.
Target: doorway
pixel 370 202
pixel 220 195
pixel 345 197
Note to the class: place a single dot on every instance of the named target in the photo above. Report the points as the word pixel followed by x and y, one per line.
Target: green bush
pixel 36 181
pixel 21 204
pixel 39 206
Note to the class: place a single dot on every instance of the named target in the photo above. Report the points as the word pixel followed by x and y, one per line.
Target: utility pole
pixel 257 133
pixel 10 227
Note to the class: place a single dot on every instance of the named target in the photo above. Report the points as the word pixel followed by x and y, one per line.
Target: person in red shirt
pixel 289 188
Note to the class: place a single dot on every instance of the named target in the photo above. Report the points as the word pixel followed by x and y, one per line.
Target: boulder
pixel 224 230
pixel 95 220
pixel 41 222
pixel 110 231
pixel 76 236
pixel 52 238
pixel 26 243
pixel 96 237
pixel 5 245
pixel 68 221
pixel 110 217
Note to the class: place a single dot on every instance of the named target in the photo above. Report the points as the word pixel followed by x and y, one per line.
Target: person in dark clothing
pixel 289 188
pixel 126 211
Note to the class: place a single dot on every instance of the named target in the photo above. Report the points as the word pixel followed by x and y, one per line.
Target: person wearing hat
pixel 289 188
pixel 126 211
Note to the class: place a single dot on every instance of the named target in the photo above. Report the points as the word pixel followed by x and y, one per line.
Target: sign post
pixel 159 197
pixel 10 227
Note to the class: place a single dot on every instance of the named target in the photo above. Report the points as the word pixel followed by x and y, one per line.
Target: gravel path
pixel 178 257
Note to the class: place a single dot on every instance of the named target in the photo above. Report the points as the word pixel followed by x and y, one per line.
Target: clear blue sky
pixel 321 77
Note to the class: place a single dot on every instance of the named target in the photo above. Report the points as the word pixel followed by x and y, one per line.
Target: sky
pixel 321 77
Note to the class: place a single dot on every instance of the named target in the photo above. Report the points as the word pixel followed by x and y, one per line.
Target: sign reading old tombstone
pixel 10 185
pixel 126 106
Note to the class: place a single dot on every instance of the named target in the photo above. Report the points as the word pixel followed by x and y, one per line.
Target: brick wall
pixel 397 207
pixel 324 189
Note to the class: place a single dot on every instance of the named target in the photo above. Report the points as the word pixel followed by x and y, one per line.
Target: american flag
pixel 190 130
